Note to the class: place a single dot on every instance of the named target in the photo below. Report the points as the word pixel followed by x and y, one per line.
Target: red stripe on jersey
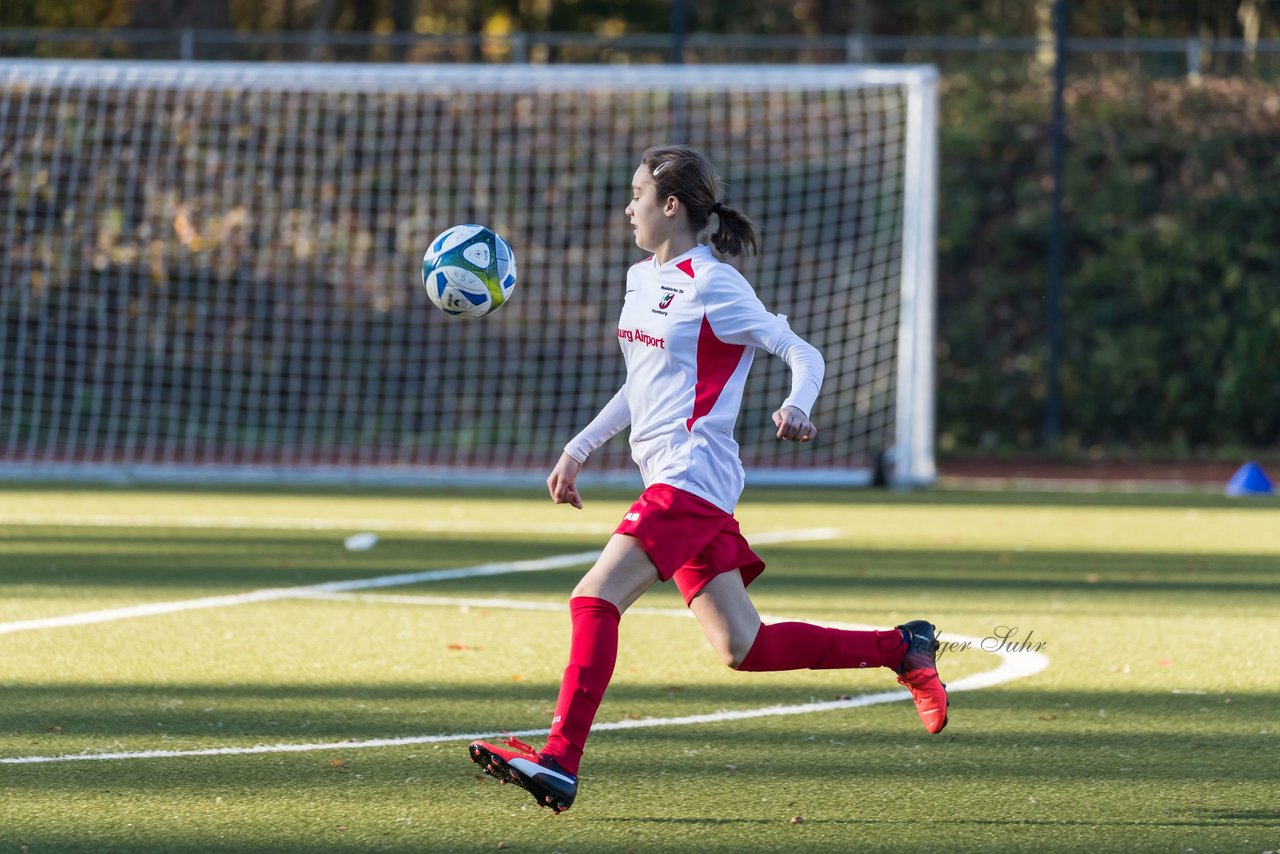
pixel 716 363
pixel 686 267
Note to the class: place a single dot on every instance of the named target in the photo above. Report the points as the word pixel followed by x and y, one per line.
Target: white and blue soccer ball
pixel 469 271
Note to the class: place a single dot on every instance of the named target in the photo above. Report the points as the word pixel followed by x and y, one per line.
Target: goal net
pixel 212 271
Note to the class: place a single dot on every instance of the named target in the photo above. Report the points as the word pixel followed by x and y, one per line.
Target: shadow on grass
pixel 995 734
pixel 175 560
pixel 109 558
pixel 984 572
pixel 1004 498
pixel 844 575
pixel 934 820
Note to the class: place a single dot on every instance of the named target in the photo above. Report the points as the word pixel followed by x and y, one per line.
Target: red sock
pixel 593 651
pixel 796 646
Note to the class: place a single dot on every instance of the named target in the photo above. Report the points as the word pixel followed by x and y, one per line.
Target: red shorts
pixel 688 538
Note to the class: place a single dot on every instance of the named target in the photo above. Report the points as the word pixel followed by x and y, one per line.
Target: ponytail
pixel 736 234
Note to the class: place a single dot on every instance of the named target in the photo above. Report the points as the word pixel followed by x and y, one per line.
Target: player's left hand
pixel 794 425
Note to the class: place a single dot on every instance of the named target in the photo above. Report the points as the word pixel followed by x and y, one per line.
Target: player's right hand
pixel 563 482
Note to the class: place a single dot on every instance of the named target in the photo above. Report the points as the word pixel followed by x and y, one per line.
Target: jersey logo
pixel 666 300
pixel 631 517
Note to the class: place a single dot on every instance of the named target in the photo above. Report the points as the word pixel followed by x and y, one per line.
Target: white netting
pixel 211 270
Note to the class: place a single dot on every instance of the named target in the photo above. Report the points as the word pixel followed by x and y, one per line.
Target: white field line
pixel 1014 664
pixel 271 594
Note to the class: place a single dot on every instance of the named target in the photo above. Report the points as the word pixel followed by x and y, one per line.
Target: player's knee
pixel 730 654
pixel 736 651
pixel 739 647
pixel 587 586
pixel 727 656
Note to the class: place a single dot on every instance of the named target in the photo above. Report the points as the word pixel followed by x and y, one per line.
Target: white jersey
pixel 688 332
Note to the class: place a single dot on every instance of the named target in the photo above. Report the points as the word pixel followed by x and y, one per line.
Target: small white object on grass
pixel 361 542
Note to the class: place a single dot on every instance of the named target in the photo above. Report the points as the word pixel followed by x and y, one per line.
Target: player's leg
pixel 734 629
pixel 729 620
pixel 619 576
pixel 727 616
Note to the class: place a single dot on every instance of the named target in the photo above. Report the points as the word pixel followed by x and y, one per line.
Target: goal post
pixel 210 270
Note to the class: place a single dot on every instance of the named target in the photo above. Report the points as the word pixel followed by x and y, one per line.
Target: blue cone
pixel 1249 479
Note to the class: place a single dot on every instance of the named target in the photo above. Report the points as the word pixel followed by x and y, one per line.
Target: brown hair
pixel 685 173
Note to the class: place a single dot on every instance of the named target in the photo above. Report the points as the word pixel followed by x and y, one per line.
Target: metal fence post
pixel 679 25
pixel 1053 401
pixel 855 48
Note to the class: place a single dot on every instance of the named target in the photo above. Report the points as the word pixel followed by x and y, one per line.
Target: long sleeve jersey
pixel 688 332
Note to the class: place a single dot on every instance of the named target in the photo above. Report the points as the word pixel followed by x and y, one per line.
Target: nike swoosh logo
pixel 533 769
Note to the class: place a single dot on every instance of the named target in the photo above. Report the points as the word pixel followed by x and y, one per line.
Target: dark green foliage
pixel 1171 317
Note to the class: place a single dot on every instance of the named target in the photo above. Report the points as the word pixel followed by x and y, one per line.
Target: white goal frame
pixel 72 342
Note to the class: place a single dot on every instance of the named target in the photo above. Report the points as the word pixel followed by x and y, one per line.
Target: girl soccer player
pixel 689 328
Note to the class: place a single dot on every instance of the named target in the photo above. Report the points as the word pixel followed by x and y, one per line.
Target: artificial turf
pixel 1153 728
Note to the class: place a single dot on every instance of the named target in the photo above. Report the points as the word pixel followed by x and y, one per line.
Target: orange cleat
pixel 919 673
pixel 518 763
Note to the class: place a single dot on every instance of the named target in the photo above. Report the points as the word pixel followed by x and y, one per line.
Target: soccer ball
pixel 469 271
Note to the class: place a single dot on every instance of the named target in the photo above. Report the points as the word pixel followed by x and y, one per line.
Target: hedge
pixel 1171 304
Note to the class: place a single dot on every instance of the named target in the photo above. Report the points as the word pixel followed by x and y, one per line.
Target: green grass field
pixel 336 719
